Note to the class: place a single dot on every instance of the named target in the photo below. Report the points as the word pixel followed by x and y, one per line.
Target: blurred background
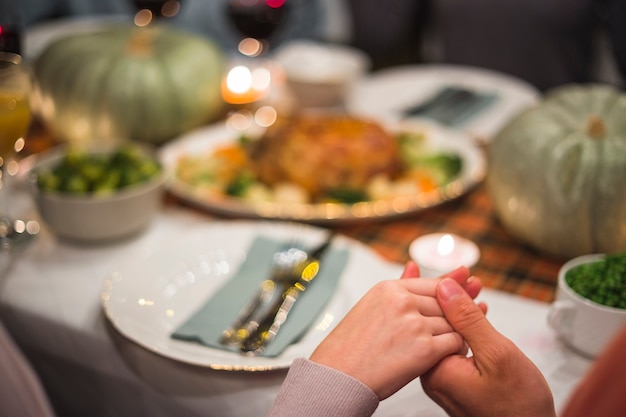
pixel 544 44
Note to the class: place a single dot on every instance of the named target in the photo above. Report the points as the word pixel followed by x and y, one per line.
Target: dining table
pixel 53 303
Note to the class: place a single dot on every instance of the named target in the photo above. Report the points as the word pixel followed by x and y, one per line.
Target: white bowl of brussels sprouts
pixel 97 195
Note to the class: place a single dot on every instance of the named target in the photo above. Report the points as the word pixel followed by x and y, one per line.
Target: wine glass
pixel 10 27
pixel 10 40
pixel 257 21
pixel 249 79
pixel 15 117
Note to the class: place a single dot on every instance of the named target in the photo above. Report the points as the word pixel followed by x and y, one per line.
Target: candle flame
pixel 445 246
pixel 245 85
pixel 239 79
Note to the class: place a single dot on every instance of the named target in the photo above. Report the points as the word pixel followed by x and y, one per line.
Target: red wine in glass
pixel 258 19
pixel 10 39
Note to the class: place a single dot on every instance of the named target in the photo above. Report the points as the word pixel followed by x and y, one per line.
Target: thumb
pixel 465 316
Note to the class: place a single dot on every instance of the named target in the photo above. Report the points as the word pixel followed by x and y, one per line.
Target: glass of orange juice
pixel 15 117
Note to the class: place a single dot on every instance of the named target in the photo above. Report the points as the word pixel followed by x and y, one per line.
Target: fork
pixel 292 286
pixel 283 264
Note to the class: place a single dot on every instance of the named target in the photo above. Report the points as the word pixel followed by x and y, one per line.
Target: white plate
pixel 150 294
pixel 205 140
pixel 384 94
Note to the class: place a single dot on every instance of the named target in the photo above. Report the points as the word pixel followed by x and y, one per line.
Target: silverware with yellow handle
pixel 269 326
pixel 285 263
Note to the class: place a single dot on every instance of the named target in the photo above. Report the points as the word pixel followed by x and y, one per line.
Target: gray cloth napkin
pixel 453 106
pixel 206 325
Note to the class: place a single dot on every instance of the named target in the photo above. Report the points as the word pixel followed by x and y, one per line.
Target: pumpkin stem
pixel 141 42
pixel 595 127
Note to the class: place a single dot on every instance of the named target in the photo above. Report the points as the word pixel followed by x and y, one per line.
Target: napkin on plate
pixel 205 326
pixel 453 106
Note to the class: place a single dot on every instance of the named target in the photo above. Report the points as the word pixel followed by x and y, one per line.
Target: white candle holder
pixel 439 253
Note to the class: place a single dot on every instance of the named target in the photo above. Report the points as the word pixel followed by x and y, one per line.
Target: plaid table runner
pixel 505 263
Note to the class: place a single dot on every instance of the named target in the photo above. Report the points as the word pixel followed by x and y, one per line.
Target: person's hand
pixel 394 333
pixel 601 392
pixel 498 380
pixel 461 275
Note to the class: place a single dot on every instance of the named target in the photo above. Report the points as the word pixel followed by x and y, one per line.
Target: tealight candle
pixel 439 253
pixel 243 85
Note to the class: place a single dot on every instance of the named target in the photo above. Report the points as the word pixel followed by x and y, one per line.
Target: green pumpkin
pixel 557 172
pixel 147 84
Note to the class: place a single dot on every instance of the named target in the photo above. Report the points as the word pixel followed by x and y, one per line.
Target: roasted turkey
pixel 325 152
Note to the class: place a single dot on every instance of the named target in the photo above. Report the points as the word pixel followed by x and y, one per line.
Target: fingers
pixel 460 274
pixel 465 316
pixel 450 343
pixel 472 285
pixel 411 270
pixel 412 295
pixel 439 326
pixel 428 306
pixel 426 287
pixel 483 307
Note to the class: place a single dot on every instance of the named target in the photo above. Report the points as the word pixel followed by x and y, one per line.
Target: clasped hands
pixel 408 328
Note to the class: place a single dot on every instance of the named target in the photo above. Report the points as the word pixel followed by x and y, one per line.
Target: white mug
pixel 585 326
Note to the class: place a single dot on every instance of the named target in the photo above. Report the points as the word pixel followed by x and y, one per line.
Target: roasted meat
pixel 325 152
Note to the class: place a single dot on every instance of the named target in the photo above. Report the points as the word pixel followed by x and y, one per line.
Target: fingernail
pixel 449 289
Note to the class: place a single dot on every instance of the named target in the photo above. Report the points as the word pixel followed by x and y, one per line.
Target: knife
pixel 269 326
pixel 251 315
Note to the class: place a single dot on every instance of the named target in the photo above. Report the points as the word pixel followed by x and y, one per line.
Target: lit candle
pixel 243 85
pixel 439 253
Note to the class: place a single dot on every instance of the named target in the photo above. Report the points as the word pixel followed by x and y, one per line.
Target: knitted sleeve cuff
pixel 312 390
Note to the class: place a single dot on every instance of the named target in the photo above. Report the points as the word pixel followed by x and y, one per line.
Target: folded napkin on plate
pixel 453 106
pixel 205 326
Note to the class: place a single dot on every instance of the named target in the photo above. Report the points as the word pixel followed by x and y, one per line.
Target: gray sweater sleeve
pixel 21 392
pixel 312 390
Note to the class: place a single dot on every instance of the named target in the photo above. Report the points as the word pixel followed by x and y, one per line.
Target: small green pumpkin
pixel 557 172
pixel 147 84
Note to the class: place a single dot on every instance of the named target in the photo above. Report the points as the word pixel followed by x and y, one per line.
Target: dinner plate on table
pixel 206 140
pixel 154 290
pixel 385 94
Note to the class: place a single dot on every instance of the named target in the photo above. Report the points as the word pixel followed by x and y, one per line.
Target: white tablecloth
pixel 50 303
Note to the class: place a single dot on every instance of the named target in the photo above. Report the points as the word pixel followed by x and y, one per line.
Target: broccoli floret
pixel 444 167
pixel 238 186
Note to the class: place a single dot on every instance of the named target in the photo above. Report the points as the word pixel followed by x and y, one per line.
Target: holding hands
pixel 395 333
pixel 407 328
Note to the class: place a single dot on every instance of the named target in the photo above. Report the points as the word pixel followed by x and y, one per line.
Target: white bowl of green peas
pixel 97 195
pixel 590 305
